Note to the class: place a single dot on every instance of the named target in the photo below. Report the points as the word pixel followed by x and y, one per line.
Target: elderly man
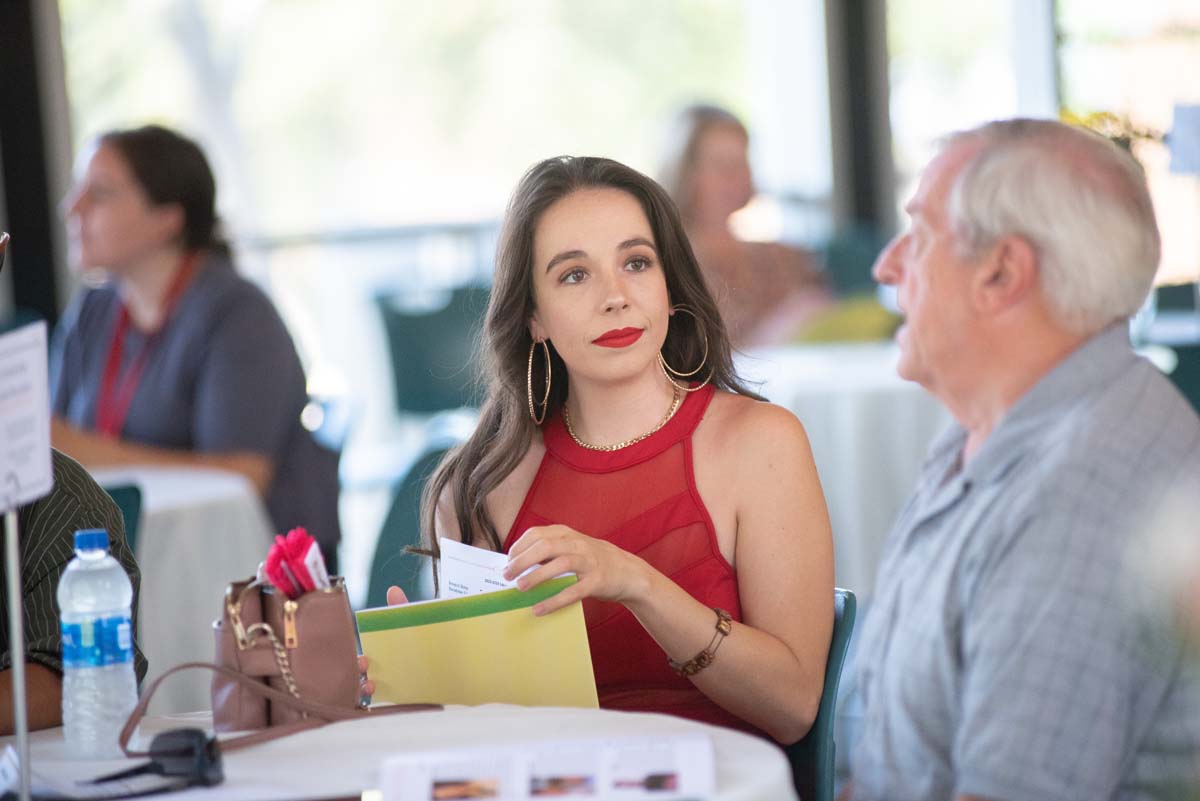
pixel 1002 658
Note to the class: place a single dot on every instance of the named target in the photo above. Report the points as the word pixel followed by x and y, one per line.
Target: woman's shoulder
pixel 222 287
pixel 86 319
pixel 740 424
pixel 229 304
pixel 783 262
pixel 92 304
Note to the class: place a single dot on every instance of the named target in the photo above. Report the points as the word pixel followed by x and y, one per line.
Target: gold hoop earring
pixel 529 381
pixel 671 373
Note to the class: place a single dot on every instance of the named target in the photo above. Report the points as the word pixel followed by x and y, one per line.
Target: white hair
pixel 1077 199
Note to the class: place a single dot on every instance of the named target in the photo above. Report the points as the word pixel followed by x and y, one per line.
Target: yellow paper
pixel 487 648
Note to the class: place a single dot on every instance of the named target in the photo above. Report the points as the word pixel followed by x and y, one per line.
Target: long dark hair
pixel 504 432
pixel 171 168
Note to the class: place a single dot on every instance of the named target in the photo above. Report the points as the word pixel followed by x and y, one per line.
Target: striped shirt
pixel 47 544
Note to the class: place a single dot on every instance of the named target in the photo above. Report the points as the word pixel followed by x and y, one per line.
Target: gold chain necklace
pixel 675 398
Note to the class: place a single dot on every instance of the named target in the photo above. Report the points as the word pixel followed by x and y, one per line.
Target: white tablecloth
pixel 199 530
pixel 869 430
pixel 343 759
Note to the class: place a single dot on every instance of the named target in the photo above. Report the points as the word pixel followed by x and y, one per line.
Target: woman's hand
pixel 605 571
pixel 366 687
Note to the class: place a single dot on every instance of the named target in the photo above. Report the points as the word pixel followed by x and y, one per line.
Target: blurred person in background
pixel 176 359
pixel 764 290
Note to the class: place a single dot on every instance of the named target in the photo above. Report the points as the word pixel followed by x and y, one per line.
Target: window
pixel 1137 62
pixel 326 116
pixel 955 65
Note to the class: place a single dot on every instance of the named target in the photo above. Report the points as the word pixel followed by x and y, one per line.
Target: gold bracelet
pixel 705 658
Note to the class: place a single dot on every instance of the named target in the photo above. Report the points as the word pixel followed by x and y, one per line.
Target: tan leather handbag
pixel 305 647
pixel 282 666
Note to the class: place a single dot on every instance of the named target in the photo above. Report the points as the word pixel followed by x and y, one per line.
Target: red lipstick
pixel 618 338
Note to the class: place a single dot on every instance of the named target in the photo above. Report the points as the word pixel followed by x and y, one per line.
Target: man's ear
pixel 1006 276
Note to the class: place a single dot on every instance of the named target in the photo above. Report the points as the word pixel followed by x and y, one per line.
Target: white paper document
pixel 467 570
pixel 26 472
pixel 632 768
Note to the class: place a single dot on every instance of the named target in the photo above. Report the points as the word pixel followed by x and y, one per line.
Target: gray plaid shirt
pixel 1003 656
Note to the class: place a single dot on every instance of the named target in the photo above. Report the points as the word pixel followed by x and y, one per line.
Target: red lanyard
pixel 112 404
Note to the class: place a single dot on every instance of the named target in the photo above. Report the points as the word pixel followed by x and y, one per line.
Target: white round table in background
pixel 199 530
pixel 869 430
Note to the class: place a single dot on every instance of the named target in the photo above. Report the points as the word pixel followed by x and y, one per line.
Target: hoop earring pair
pixel 529 381
pixel 671 373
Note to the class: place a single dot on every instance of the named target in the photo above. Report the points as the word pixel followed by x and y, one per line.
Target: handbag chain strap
pixel 247 637
pixel 281 657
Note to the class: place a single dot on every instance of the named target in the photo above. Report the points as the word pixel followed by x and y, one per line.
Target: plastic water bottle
pixel 99 687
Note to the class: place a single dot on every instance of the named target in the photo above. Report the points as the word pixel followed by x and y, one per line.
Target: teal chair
pixel 812 758
pixel 392 564
pixel 434 365
pixel 128 498
pixel 848 256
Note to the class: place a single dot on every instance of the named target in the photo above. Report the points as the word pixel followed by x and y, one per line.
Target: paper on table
pixel 631 768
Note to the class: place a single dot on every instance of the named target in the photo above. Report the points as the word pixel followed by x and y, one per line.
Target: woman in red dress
pixel 616 442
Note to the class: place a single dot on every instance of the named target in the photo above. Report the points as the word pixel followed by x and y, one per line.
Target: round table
pixel 343 759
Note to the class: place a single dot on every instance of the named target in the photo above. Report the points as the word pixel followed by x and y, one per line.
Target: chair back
pixel 433 347
pixel 848 256
pixel 402 528
pixel 812 757
pixel 128 498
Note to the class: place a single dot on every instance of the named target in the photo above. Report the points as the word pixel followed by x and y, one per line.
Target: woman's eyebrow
pixel 635 242
pixel 564 256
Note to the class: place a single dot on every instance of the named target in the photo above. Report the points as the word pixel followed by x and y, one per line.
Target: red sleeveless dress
pixel 642 498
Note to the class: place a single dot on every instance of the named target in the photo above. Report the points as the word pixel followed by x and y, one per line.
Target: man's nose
pixel 887 269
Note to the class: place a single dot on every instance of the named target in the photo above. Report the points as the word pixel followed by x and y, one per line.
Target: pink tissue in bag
pixel 295 565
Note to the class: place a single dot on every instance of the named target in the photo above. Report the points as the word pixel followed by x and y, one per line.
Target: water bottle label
pixel 96 643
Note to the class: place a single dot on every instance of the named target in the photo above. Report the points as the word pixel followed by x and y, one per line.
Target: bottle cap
pixel 91 539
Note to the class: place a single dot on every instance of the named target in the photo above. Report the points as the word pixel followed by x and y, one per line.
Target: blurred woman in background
pixel 177 360
pixel 765 290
